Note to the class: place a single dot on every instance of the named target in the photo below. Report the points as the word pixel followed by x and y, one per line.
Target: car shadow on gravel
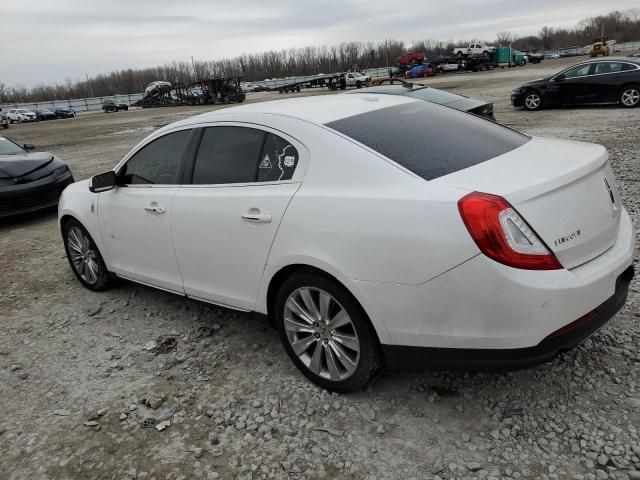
pixel 28 219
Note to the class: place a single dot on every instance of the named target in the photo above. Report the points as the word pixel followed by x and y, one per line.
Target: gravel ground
pixel 81 371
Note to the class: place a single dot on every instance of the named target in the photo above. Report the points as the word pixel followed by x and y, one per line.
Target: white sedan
pixel 369 229
pixel 21 115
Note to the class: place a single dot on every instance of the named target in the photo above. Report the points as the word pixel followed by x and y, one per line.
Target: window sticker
pixel 266 162
pixel 279 161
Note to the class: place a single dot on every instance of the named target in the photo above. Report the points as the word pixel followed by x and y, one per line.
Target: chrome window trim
pixel 635 65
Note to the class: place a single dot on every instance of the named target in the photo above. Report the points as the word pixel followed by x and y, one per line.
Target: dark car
pixel 420 71
pixel 611 80
pixel 64 112
pixel 45 114
pixel 29 181
pixel 113 106
pixel 434 95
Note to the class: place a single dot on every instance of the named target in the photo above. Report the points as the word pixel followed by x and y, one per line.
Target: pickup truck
pixel 473 49
pixel 4 120
pixel 356 79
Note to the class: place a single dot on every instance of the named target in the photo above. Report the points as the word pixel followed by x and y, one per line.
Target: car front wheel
pixel 532 101
pixel 326 333
pixel 85 259
pixel 630 96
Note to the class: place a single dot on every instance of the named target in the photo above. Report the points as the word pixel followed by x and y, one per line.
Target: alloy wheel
pixel 321 333
pixel 83 256
pixel 630 97
pixel 532 101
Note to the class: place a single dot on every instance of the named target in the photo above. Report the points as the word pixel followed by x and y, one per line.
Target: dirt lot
pixel 237 406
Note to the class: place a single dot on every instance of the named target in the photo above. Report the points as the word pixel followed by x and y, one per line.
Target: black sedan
pixel 29 181
pixel 610 80
pixel 64 112
pixel 45 114
pixel 433 95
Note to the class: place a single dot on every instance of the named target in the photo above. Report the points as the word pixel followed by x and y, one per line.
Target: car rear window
pixel 430 140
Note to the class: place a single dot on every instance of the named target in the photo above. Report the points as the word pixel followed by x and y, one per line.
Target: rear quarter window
pixel 430 140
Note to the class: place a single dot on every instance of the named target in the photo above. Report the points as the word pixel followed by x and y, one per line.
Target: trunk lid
pixel 564 190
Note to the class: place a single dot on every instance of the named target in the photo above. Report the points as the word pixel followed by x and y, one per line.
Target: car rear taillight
pixel 503 235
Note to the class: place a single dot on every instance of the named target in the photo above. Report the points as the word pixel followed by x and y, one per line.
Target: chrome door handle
pixel 257 217
pixel 155 209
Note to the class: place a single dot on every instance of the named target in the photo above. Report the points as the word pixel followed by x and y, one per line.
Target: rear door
pixel 225 221
pixel 607 79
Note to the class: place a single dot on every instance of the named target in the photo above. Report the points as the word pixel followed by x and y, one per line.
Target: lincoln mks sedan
pixel 368 230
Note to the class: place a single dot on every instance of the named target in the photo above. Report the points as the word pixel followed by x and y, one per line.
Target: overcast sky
pixel 46 41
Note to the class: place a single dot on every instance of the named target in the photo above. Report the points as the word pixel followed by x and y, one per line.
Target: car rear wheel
pixel 326 333
pixel 85 259
pixel 532 101
pixel 630 96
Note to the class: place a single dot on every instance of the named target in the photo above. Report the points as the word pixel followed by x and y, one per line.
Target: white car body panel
pixel 138 242
pixel 483 304
pixel 396 241
pixel 559 188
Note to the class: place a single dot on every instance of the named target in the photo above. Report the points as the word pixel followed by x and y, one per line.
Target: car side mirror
pixel 28 147
pixel 103 182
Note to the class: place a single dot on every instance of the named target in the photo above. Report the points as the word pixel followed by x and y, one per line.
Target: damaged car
pixel 29 181
pixel 372 230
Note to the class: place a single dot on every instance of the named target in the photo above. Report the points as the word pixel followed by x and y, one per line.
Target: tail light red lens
pixel 503 235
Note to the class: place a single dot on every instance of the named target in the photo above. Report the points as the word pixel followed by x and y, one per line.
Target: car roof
pixel 612 59
pixel 319 109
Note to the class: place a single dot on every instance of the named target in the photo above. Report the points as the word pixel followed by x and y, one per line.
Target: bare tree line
pixel 621 26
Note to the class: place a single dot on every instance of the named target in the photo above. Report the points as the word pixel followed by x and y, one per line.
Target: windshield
pixel 7 147
pixel 426 138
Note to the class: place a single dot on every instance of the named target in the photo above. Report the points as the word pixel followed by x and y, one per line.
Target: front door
pixel 225 221
pixel 135 217
pixel 568 88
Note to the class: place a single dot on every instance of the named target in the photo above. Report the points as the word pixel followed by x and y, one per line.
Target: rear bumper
pixel 406 357
pixel 482 304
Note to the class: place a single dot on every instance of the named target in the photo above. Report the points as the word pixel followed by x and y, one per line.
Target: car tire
pixel 342 358
pixel 79 247
pixel 5 125
pixel 630 96
pixel 532 100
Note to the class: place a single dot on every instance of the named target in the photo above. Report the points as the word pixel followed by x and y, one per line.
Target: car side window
pixel 626 67
pixel 157 162
pixel 577 71
pixel 606 67
pixel 278 160
pixel 228 155
pixel 243 155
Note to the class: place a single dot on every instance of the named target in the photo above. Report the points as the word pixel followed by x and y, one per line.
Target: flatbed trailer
pixel 332 82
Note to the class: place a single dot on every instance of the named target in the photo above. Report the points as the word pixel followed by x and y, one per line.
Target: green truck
pixel 508 57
